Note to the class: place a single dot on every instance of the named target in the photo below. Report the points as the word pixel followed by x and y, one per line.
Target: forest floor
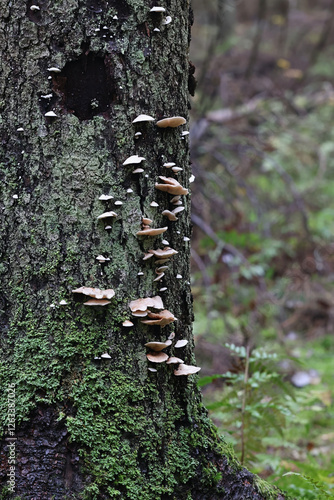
pixel 262 144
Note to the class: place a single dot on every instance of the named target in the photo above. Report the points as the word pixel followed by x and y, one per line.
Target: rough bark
pixel 97 428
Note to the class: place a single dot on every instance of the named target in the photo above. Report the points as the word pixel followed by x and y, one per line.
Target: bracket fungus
pixel 105 356
pixel 105 197
pixel 158 9
pixel 152 231
pixel 143 118
pixel 181 343
pixel 170 216
pixel 50 114
pixel 107 215
pixel 186 370
pixel 157 357
pixel 169 164
pixel 173 360
pixel 127 323
pixel 158 346
pixel 96 293
pixel 171 186
pixel 143 304
pixel 173 121
pixel 161 318
pixel 133 160
pixel 164 253
pixel 96 302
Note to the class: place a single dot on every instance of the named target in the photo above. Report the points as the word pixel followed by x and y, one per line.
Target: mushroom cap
pixel 154 204
pixel 183 369
pixel 143 304
pixel 173 121
pixel 176 170
pixel 173 360
pixel 51 114
pixel 127 323
pixel 153 370
pixel 164 253
pixel 169 164
pixel 133 159
pixel 177 210
pixel 138 171
pixel 105 356
pixel 162 318
pixel 96 293
pixel 146 220
pixel 175 199
pixel 171 186
pixel 101 258
pixel 152 232
pixel 167 20
pixel 105 197
pixel 106 215
pixel 158 9
pixel 54 69
pixel 181 343
pixel 169 215
pixel 147 256
pixel 158 346
pixel 96 302
pixel 139 314
pixel 143 118
pixel 159 277
pixel 63 303
pixel 157 357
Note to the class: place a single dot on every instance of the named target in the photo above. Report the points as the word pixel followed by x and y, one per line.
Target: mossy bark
pixel 97 428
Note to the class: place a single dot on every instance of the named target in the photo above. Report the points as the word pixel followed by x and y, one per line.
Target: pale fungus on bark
pixel 105 197
pixel 35 7
pixel 142 304
pixel 191 179
pixel 169 164
pixel 134 159
pixel 158 346
pixel 183 369
pixel 139 314
pixel 127 323
pixel 163 289
pixel 129 191
pixel 140 273
pixel 96 293
pixel 107 215
pixel 176 170
pixel 157 357
pixel 118 203
pixel 170 216
pixel 153 370
pixel 175 199
pixel 105 356
pixel 147 256
pixel 154 204
pixel 54 69
pixel 50 114
pixel 173 360
pixel 164 253
pixel 171 186
pixel 184 133
pixel 63 303
pixel 97 302
pixel 20 129
pixel 137 135
pixel 147 221
pixel 138 171
pixel 178 276
pixel 165 242
pixel 152 232
pixel 173 121
pixel 166 21
pixel 143 118
pixel 159 277
pixel 178 210
pixel 102 259
pixel 181 343
pixel 161 318
pixel 158 9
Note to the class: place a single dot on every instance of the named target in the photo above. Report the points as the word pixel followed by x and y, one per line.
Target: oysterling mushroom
pixel 173 121
pixel 161 318
pixel 183 369
pixel 171 186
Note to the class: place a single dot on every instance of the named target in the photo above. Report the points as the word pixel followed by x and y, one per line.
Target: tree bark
pixel 88 427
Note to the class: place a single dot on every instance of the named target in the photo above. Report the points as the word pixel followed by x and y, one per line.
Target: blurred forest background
pixel 262 150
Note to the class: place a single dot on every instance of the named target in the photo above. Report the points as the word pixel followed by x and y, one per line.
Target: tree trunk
pixel 89 426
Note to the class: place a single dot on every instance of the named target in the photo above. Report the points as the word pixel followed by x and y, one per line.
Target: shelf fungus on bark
pixel 97 302
pixel 171 186
pixel 173 360
pixel 142 304
pixel 107 215
pixel 143 118
pixel 152 231
pixel 183 369
pixel 169 164
pixel 158 9
pixel 102 259
pixel 105 197
pixel 127 323
pixel 162 253
pixel 138 171
pixel 181 343
pixel 170 216
pixel 157 357
pixel 159 277
pixel 50 114
pixel 167 20
pixel 173 121
pixel 158 346
pixel 105 356
pixel 95 293
pixel 161 318
pixel 133 160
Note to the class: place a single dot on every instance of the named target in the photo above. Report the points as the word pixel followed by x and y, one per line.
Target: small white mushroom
pixel 47 96
pixel 157 357
pixel 107 215
pixel 158 9
pixel 184 133
pixel 166 21
pixel 178 276
pixel 143 118
pixel 191 179
pixel 63 303
pixel 129 190
pixel 138 171
pixel 127 323
pixel 15 197
pixel 163 289
pixel 169 164
pixel 181 343
pixel 153 370
pixel 115 17
pixel 133 159
pixel 156 29
pixel 176 170
pixel 173 360
pixel 137 135
pixel 102 259
pixel 105 356
pixel 105 197
pixel 51 114
pixel 186 370
pixel 118 202
pixel 159 277
pixel 185 238
pixel 154 204
pixel 165 242
pixel 177 210
pixel 20 129
pixel 35 7
pixel 54 69
pixel 173 121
